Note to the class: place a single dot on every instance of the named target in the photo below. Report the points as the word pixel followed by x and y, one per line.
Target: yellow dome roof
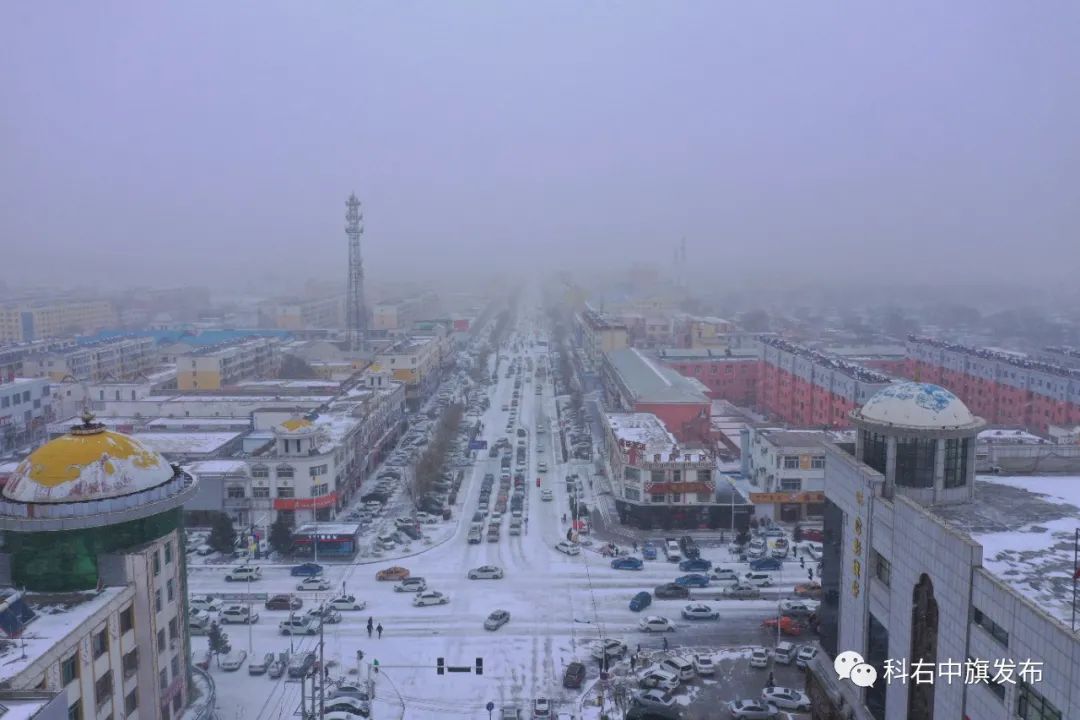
pixel 90 464
pixel 296 424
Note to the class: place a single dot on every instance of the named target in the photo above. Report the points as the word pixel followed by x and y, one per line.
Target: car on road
pixel 695 580
pixel 346 602
pixel 757 579
pixel 392 573
pixel 627 563
pixel 234 660
pixel 510 712
pixel 301 664
pixel 567 547
pixel 204 603
pixel 660 679
pixel 574 675
pixel 759 658
pixel 244 573
pixel 640 601
pixel 752 710
pixel 259 666
pixel 766 565
pixel 786 698
pixel 722 574
pixel 327 614
pixel 317 583
pixel 496 620
pixel 546 495
pixel 411 584
pixel 813 535
pixel 808 590
pixel 806 654
pixel 654 699
pixel 704 664
pixel 486 572
pixel 739 591
pixel 671 591
pixel 699 611
pixel 347 708
pixel 430 597
pixel 655 623
pixel 648 550
pixel 284 602
pixel 696 565
pixel 542 467
pixel 306 570
pixel 609 648
pixel 541 708
pixel 639 712
pixel 299 625
pixel 799 608
pixel 238 614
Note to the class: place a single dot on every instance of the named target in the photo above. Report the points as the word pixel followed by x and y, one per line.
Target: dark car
pixel 689 547
pixel 377 496
pixel 693 580
pixel 627 563
pixel 813 535
pixel 695 565
pixel 637 712
pixel 412 531
pixel 307 570
pixel 640 601
pixel 284 602
pixel 766 564
pixel 574 675
pixel 671 591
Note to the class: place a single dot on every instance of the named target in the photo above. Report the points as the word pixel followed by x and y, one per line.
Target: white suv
pixel 238 614
pixel 243 573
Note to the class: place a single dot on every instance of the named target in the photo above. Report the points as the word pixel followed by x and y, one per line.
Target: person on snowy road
pixel 379 630
pixel 370 626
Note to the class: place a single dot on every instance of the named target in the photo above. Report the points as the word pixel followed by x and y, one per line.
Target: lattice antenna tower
pixel 355 309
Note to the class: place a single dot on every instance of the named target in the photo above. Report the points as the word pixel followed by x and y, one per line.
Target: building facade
pixel 786 468
pixel 220 366
pixel 633 382
pixel 416 363
pixel 115 359
pixel 729 374
pixel 27 321
pixel 307 314
pixel 598 334
pixel 26 408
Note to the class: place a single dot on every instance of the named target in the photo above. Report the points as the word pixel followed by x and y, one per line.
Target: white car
pixel 757 579
pixel 610 648
pixel 568 547
pixel 347 602
pixel 426 519
pixel 759 658
pixel 486 572
pixel 699 611
pixel 541 708
pixel 660 679
pixel 238 614
pixel 722 574
pixel 314 583
pixel 655 623
pixel 546 495
pixel 752 710
pixel 655 699
pixel 799 607
pixel 806 654
pixel 542 467
pixel 234 660
pixel 244 573
pixel 204 603
pixel 430 597
pixel 704 664
pixel 411 584
pixel 786 698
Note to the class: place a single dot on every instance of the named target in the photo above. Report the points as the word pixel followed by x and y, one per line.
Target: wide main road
pixel 558 604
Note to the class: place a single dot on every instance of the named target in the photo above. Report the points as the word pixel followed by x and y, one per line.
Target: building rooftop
pixel 328 529
pixel 1026 526
pixel 1010 358
pixel 853 370
pixel 1009 436
pixel 180 443
pixel 650 382
pixel 643 428
pixel 797 438
pixel 705 354
pixel 216 467
pixel 917 405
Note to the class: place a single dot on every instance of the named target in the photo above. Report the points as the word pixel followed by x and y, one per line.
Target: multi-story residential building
pixel 216 367
pixel 25 411
pixel 31 320
pixel 399 317
pixel 115 359
pixel 415 362
pixel 786 469
pixel 889 359
pixel 633 382
pixel 598 334
pixel 925 568
pixel 1005 388
pixel 729 373
pixel 806 387
pixel 658 482
pixel 92 567
pixel 306 314
pixel 701 332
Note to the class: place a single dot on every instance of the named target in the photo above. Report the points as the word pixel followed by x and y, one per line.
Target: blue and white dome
pixel 917 405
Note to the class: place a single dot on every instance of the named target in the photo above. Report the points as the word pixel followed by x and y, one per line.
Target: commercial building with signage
pixel 332 539
pixel 786 471
pixel 633 382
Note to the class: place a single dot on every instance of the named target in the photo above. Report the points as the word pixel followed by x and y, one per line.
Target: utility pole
pixel 249 623
pixel 322 666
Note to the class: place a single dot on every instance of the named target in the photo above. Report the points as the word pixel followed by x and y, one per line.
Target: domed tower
pixel 89 493
pixel 921 437
pixel 295 438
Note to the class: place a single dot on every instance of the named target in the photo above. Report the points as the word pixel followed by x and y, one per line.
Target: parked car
pixel 805 655
pixel 284 602
pixel 244 573
pixel 786 699
pixel 784 654
pixel 654 699
pixel 430 597
pixel 671 591
pixel 276 669
pixel 486 572
pixel 648 550
pixel 541 708
pixel 234 660
pixel 739 591
pixel 306 570
pixel 693 580
pixel 238 614
pixel 639 712
pixel 260 666
pixel 766 565
pixel 757 579
pixel 610 647
pixel 704 664
pixel 347 602
pixel 759 658
pixel 496 620
pixel 655 623
pixel 299 625
pixel 317 584
pixel 204 603
pixel 392 573
pixel 640 601
pixel 808 590
pixel 546 495
pixel 699 611
pixel 752 710
pixel 696 565
pixel 627 563
pixel 660 679
pixel 574 675
pixel 301 664
pixel 568 547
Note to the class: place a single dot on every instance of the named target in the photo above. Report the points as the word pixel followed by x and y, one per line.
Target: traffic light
pixel 479 666
pixel 440 666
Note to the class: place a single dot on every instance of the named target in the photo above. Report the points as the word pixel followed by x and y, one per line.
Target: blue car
pixel 766 564
pixel 695 565
pixel 693 580
pixel 640 601
pixel 648 551
pixel 307 570
pixel 627 563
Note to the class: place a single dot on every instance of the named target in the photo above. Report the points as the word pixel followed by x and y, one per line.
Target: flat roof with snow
pixel 649 382
pixel 218 467
pixel 178 443
pixel 643 428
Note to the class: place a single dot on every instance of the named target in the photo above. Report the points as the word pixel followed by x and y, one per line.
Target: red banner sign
pixel 322 501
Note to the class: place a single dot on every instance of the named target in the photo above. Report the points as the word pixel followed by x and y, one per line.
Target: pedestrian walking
pixel 772 680
pixel 635 546
pixel 795 551
pixel 810 574
pixel 639 648
pixel 802 562
pixel 370 626
pixel 665 643
pixel 633 663
pixel 379 630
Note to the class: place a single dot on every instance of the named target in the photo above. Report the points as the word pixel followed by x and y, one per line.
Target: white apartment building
pixel 115 360
pixel 25 411
pixel 786 472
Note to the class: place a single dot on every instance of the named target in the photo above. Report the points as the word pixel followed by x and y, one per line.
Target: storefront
pixel 334 540
pixel 789 507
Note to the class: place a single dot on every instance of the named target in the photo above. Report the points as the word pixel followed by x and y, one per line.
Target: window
pixel 131 702
pixel 234 492
pixel 157 599
pixel 996 631
pixel 317 490
pixel 317 470
pixel 818 462
pixel 170 591
pixel 676 497
pixel 1030 705
pixel 131 663
pixel 103 689
pixel 791 484
pixel 704 497
pixel 791 462
pixel 260 471
pixel 882 568
pixel 704 476
pixel 658 498
pixel 69 669
pixel 161 639
pixel 127 619
pixel 956 462
pixel 168 553
pixel 632 493
pixel 175 664
pixel 875 450
pixel 676 476
pixel 915 462
pixel 177 702
pixel 100 643
pixel 286 492
pixel 260 492
pixel 157 563
pixel 163 679
pixel 657 476
pixel 174 629
pixel 284 471
pixel 75 711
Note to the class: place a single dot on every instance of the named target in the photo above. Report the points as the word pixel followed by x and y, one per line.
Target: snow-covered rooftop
pixel 187 422
pixel 651 382
pixel 180 443
pixel 218 467
pixel 1010 437
pixel 643 428
pixel 1026 525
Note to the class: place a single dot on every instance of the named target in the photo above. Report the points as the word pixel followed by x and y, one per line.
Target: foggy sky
pixel 216 141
